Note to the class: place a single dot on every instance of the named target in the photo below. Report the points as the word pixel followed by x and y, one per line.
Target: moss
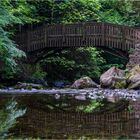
pixel 40 87
pixel 120 84
pixel 1 86
pixel 133 71
pixel 29 87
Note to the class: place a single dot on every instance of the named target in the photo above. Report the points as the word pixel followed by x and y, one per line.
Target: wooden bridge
pixel 104 35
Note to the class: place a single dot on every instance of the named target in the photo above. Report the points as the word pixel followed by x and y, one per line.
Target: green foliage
pixel 29 71
pixel 131 108
pixel 73 64
pixel 93 106
pixel 66 11
pixel 80 10
pixel 39 73
pixel 112 61
pixel 131 50
pixel 118 12
pixel 124 12
pixel 120 84
pixel 114 11
pixel 8 117
pixel 8 53
pixel 100 106
pixel 11 13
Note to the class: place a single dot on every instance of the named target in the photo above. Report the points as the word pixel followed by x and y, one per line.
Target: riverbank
pixel 82 94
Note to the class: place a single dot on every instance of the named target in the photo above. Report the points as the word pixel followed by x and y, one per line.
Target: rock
pixel 80 97
pixel 133 78
pixel 84 82
pixel 113 78
pixel 37 81
pixel 27 86
pixel 112 98
pixel 120 84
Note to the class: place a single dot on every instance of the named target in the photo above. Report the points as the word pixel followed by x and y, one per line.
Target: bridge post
pixel 83 32
pixel 63 33
pixel 45 28
pixel 28 41
pixel 103 34
pixel 123 38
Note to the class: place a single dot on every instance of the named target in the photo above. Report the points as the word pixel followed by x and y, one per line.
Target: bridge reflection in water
pixel 53 118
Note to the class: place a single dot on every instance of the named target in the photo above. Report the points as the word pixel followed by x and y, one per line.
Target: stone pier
pixel 134 57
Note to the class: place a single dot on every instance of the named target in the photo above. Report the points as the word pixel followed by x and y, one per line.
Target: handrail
pixel 79 35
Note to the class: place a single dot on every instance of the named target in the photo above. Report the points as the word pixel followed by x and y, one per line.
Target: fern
pixel 11 13
pixel 8 117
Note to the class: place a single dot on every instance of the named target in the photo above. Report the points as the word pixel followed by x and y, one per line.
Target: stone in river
pixel 133 78
pixel 84 82
pixel 112 78
pixel 20 85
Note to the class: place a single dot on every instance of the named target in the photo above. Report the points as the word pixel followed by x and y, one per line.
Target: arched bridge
pixel 103 35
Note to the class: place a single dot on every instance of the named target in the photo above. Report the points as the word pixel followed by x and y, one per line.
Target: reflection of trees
pixel 8 117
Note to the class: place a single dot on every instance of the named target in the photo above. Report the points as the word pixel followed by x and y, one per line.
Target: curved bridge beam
pixel 103 35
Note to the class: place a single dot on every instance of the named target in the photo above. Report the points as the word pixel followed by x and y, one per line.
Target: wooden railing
pixel 79 35
pixel 106 125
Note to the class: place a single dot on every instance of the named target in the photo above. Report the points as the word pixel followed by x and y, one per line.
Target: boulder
pixel 29 86
pixel 84 82
pixel 113 78
pixel 133 78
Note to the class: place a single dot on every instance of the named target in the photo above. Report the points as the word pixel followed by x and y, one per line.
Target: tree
pixel 8 117
pixel 74 63
pixel 11 13
pixel 54 11
pixel 66 11
pixel 118 12
pixel 124 12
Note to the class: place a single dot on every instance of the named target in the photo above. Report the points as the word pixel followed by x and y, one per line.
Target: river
pixel 57 113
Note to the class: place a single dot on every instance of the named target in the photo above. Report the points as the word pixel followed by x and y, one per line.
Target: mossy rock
pixel 28 86
pixel 120 84
pixel 133 78
pixel 133 71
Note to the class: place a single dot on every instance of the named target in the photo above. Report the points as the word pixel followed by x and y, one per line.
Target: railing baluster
pixel 103 34
pixel 79 35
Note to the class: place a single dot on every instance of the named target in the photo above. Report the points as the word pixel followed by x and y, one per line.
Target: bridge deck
pixel 78 35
